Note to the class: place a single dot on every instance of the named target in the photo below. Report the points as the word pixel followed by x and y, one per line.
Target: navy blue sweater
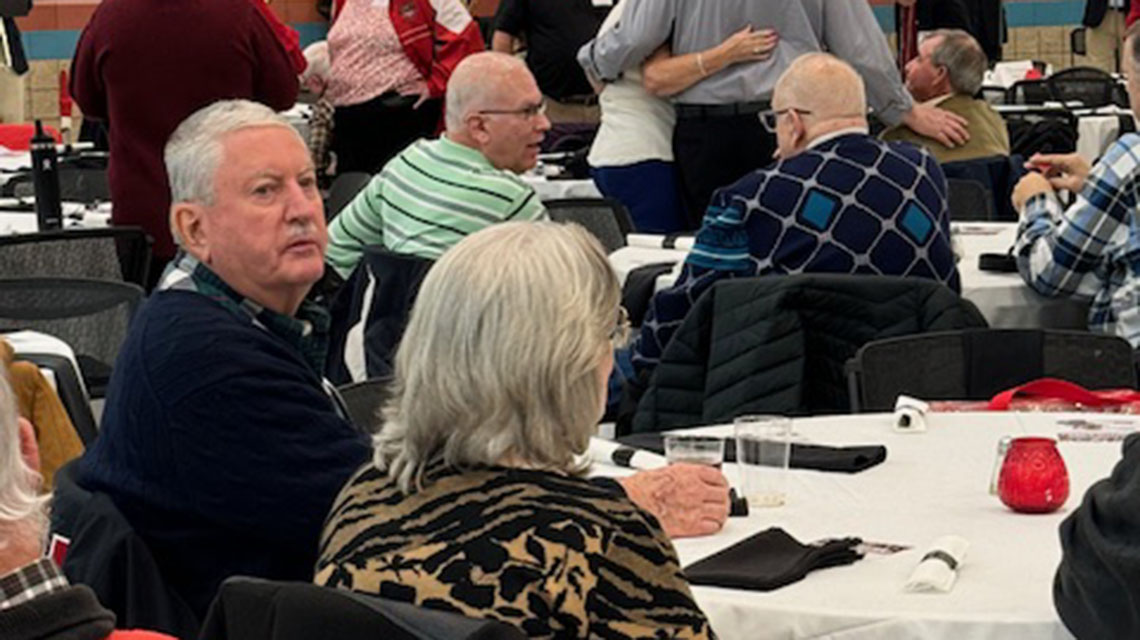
pixel 219 446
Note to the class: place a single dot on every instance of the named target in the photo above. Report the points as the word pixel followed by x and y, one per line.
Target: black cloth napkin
pixel 803 456
pixel 769 560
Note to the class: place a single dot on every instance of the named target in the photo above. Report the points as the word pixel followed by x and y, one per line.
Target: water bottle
pixel 45 176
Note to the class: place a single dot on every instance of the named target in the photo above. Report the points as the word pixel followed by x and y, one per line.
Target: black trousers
pixel 366 136
pixel 714 152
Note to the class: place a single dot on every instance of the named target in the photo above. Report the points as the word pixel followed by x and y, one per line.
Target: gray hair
pixel 20 500
pixel 476 81
pixel 194 151
pixel 962 57
pixel 502 353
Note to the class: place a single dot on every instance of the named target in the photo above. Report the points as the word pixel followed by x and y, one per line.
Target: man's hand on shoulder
pixel 948 128
pixel 688 499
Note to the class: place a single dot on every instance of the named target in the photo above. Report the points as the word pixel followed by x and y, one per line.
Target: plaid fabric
pixel 308 332
pixel 30 582
pixel 1092 250
pixel 320 135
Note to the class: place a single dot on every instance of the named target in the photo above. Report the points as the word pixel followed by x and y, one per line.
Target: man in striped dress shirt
pixel 436 192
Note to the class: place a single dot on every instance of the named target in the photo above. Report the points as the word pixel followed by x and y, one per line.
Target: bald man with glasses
pixel 436 192
pixel 837 201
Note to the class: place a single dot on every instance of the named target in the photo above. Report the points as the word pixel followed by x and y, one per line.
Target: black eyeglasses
pixel 771 117
pixel 530 111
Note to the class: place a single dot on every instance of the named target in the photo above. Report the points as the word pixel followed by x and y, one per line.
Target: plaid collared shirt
pixel 30 582
pixel 307 332
pixel 1092 249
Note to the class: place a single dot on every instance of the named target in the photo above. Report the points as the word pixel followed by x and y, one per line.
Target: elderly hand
pixel 1029 185
pixel 1065 171
pixel 688 499
pixel 932 122
pixel 746 44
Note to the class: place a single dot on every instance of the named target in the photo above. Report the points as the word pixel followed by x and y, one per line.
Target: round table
pixel 931 484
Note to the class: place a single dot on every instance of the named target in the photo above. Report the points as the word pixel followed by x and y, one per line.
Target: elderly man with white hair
pixel 436 192
pixel 219 442
pixel 837 201
pixel 36 601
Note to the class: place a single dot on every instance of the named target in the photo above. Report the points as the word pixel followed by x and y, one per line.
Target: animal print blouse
pixel 557 556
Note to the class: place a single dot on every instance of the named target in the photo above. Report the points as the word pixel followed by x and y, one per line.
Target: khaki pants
pixel 565 113
pixel 1104 42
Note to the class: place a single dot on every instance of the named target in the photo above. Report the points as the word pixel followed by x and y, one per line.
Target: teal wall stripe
pixel 59 45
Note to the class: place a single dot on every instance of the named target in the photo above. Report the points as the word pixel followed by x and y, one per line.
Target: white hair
pixel 317 63
pixel 194 151
pixel 21 504
pixel 476 82
pixel 502 355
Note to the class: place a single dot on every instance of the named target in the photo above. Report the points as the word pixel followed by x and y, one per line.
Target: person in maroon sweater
pixel 143 66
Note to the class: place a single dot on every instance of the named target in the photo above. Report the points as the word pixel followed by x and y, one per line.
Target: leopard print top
pixel 557 556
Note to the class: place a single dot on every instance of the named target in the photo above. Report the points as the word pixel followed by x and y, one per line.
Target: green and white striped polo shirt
pixel 426 199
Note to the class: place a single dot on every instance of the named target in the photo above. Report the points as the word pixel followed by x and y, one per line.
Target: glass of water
pixel 708 450
pixel 763 450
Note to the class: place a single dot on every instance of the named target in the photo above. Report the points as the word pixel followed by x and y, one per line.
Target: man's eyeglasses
pixel 771 117
pixel 620 332
pixel 529 111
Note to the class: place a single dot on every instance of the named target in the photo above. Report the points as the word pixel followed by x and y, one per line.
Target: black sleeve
pixel 1097 587
pixel 511 17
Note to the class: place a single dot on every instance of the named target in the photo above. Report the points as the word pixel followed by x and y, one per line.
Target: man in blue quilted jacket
pixel 837 200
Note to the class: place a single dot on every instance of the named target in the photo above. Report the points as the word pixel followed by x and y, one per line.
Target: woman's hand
pixel 687 499
pixel 748 45
pixel 1064 171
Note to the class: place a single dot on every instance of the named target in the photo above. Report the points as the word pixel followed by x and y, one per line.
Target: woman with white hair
pixel 475 500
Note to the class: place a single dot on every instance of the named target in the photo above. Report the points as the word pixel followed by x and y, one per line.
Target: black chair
pixel 779 344
pixel 369 314
pixel 606 218
pixel 92 316
pixel 975 364
pixel 1041 130
pixel 120 254
pixel 1086 85
pixel 362 400
pixel 969 200
pixel 1078 45
pixel 992 94
pixel 1028 92
pixel 997 175
pixel 255 609
pixel 82 178
pixel 344 188
pixel 106 554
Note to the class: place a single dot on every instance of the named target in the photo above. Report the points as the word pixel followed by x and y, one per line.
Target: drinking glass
pixel 763 450
pixel 694 449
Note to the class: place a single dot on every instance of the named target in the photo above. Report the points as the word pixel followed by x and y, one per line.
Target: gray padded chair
pixel 606 218
pixel 975 364
pixel 91 316
pixel 969 200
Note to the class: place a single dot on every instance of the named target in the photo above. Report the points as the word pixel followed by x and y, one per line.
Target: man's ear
pixel 29 448
pixel 477 128
pixel 188 222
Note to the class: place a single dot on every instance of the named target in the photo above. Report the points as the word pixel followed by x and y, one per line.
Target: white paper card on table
pixel 937 571
pixel 910 415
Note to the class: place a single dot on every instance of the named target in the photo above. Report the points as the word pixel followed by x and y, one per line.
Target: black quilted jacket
pixel 778 344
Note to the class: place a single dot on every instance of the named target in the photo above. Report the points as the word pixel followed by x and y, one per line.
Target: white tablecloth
pixel 1003 298
pixel 932 484
pixel 75 215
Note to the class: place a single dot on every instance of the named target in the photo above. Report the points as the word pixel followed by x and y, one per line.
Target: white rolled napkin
pixel 938 569
pixel 910 415
pixel 610 452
